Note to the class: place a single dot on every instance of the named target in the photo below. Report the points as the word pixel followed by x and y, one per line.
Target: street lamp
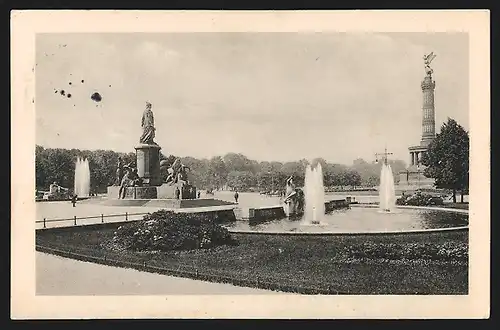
pixel 272 181
pixel 418 175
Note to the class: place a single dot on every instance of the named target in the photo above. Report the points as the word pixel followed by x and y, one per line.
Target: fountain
pixel 82 177
pixel 314 195
pixel 387 195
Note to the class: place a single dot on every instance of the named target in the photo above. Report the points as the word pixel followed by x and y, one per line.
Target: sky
pixel 269 96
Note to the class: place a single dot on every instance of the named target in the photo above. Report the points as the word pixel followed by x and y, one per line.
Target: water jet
pixel 82 177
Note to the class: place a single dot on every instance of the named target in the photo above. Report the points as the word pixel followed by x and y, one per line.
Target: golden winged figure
pixel 428 58
pixel 427 61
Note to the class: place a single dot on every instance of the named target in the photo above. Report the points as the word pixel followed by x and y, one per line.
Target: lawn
pixel 461 206
pixel 430 263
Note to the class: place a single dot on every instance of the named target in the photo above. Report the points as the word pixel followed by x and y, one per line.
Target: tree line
pixel 447 161
pixel 231 171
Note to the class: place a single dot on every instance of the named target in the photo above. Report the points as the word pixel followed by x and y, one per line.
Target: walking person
pixel 236 195
pixel 73 199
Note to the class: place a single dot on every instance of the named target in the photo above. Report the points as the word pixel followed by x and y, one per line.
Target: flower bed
pixel 420 199
pixel 167 231
pixel 447 251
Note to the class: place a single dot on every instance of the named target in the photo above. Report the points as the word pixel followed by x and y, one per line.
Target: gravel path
pixel 57 276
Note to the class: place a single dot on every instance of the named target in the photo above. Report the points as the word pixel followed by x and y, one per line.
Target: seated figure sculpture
pixel 119 172
pixel 177 173
pixel 294 198
pixel 130 179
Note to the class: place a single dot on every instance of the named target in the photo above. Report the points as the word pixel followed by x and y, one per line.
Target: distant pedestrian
pixel 73 199
pixel 199 194
pixel 177 193
pixel 236 195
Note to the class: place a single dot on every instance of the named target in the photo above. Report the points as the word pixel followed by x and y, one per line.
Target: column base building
pixel 413 178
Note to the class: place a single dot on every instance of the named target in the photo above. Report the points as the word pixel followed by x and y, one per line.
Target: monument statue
pixel 290 187
pixel 119 172
pixel 294 198
pixel 427 61
pixel 148 126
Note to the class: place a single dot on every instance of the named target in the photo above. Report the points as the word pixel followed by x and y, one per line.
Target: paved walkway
pixel 64 210
pixel 57 276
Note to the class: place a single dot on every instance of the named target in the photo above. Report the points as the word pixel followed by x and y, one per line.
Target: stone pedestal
pixel 148 164
pixel 133 192
pixel 167 191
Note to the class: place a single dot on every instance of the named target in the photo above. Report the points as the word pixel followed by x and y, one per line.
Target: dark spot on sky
pixel 56 91
pixel 69 96
pixel 96 97
pixel 109 85
pixel 62 92
pixel 83 81
pixel 70 83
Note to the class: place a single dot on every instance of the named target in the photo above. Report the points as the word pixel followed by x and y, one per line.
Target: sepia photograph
pixel 267 164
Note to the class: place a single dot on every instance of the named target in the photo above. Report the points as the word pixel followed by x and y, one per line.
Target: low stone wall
pixel 267 213
pixel 278 212
pixel 336 204
pixel 260 213
pixel 167 203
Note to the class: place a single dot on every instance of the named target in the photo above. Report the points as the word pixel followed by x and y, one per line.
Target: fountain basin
pixel 361 220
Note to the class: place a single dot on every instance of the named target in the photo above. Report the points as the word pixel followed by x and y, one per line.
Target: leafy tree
pixel 297 169
pixel 237 162
pixel 447 158
pixel 217 172
pixel 352 178
pixel 371 180
pixel 59 167
pixel 241 180
pixel 198 170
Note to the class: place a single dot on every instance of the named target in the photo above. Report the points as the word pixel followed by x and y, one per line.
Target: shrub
pixel 420 199
pixel 167 231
